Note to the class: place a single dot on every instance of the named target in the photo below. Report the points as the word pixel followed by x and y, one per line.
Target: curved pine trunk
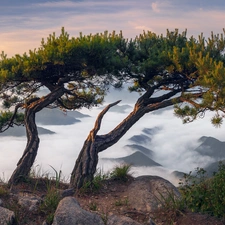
pixel 26 161
pixel 87 161
pixel 85 166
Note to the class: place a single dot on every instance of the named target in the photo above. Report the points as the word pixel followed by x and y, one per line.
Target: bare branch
pixel 98 121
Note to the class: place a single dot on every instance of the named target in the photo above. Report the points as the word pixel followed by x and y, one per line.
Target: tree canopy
pixel 177 64
pixel 167 70
pixel 84 66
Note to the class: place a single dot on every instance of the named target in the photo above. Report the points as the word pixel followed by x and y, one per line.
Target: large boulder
pixel 146 193
pixel 69 212
pixel 29 202
pixel 121 220
pixel 7 217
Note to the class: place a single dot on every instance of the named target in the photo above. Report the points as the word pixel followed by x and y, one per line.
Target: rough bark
pixel 26 161
pixel 87 160
pixel 86 163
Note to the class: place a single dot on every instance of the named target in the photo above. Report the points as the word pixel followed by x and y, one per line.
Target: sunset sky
pixel 24 23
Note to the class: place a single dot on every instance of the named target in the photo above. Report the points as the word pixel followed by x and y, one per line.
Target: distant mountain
pixel 151 131
pixel 213 167
pixel 76 114
pixel 136 159
pixel 118 108
pixel 178 174
pixel 140 139
pixel 19 131
pixel 54 117
pixel 211 147
pixel 140 148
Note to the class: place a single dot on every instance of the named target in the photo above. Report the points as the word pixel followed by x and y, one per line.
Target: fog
pixel 172 143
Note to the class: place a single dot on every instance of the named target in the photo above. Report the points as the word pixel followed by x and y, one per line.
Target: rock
pixel 7 217
pixel 146 193
pixel 67 192
pixel 29 202
pixel 1 202
pixel 151 222
pixel 69 212
pixel 121 220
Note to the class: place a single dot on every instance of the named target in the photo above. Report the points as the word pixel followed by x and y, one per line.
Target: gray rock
pixel 7 217
pixel 67 192
pixel 1 202
pixel 121 220
pixel 69 212
pixel 146 193
pixel 151 222
pixel 29 202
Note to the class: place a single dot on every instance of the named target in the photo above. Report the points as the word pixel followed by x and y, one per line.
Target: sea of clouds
pixel 173 143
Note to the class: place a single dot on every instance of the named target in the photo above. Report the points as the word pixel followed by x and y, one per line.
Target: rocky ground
pixel 112 198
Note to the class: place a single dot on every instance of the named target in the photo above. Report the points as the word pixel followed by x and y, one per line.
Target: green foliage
pixel 6 116
pixel 171 206
pixel 50 203
pixel 93 206
pixel 95 184
pixel 121 202
pixel 3 191
pixel 121 172
pixel 206 195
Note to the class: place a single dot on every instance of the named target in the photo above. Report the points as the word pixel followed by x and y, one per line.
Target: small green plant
pixel 121 202
pixel 206 195
pixel 93 206
pixel 50 204
pixel 95 184
pixel 3 191
pixel 121 172
pixel 104 217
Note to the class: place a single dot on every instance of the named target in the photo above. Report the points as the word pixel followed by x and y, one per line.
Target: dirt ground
pixel 111 198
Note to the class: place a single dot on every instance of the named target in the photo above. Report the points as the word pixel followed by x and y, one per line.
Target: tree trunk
pixel 87 161
pixel 26 161
pixel 85 166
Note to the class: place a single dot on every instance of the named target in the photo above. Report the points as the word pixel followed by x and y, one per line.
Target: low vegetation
pixel 199 194
pixel 203 194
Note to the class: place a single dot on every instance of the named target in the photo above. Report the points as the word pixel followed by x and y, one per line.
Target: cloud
pixel 23 26
pixel 155 7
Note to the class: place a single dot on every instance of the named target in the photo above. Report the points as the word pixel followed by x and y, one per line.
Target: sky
pixel 24 23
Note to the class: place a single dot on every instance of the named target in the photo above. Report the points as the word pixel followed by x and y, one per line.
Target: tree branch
pixel 98 121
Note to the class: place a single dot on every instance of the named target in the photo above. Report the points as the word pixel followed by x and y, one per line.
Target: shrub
pixel 206 195
pixel 121 172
